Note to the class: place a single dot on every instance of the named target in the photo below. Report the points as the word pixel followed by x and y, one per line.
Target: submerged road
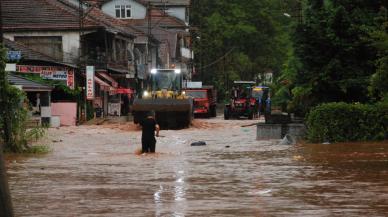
pixel 97 171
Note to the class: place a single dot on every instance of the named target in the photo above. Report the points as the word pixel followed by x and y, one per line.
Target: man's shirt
pixel 148 128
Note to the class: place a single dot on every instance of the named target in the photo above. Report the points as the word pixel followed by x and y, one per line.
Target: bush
pixel 20 136
pixel 37 149
pixel 340 122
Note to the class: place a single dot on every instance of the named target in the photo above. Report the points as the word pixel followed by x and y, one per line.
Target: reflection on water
pixel 101 176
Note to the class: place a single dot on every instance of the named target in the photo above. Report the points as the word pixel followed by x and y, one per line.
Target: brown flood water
pixel 94 171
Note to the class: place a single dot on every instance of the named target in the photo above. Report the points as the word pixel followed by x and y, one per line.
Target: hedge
pixel 341 122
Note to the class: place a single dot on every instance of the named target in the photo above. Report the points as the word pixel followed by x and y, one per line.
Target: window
pixel 117 7
pixel 123 11
pixel 128 10
pixel 197 94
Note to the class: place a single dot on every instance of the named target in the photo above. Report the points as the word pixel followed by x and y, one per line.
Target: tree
pixel 378 86
pixel 5 198
pixel 333 46
pixel 238 39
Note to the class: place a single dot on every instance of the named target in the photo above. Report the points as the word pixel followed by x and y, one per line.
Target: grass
pixel 38 149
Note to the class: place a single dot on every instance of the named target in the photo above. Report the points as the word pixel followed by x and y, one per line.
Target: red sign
pixel 70 79
pixel 39 69
pixel 124 91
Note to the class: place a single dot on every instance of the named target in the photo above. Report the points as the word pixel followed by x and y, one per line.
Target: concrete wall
pixel 138 11
pixel 269 131
pixel 70 42
pixel 67 111
pixel 278 131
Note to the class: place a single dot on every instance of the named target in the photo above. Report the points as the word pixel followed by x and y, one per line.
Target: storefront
pixel 39 98
pixel 120 101
pixel 59 73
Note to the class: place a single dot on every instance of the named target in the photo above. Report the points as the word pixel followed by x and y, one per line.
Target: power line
pixel 219 59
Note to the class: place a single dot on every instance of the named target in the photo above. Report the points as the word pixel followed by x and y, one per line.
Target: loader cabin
pixel 173 110
pixel 166 82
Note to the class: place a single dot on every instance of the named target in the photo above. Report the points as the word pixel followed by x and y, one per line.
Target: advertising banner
pixel 90 82
pixel 54 75
pixel 50 72
pixel 70 79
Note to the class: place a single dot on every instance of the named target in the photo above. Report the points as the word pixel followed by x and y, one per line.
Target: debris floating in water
pixel 298 158
pixel 199 143
pixel 287 140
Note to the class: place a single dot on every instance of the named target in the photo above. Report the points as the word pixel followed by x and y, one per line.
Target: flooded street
pixel 96 171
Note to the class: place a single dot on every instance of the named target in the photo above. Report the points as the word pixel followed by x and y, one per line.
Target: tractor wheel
pixel 214 111
pixel 250 115
pixel 226 114
pixel 209 113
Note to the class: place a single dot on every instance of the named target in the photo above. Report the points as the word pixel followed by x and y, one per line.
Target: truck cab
pixel 204 100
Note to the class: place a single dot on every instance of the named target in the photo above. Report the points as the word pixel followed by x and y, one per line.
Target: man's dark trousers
pixel 148 145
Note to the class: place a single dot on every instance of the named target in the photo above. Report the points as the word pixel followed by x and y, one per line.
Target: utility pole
pixel 5 196
pixel 149 32
pixel 80 55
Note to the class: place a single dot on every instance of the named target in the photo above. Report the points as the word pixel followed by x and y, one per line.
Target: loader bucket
pixel 170 113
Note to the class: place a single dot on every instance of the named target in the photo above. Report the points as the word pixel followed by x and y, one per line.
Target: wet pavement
pixel 97 171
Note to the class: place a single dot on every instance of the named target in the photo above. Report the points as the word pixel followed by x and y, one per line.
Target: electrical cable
pixel 219 59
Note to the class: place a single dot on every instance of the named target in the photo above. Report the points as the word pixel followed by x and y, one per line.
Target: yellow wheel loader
pixel 164 95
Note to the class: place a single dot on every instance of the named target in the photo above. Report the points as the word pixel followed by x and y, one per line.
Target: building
pixel 53 28
pixel 165 21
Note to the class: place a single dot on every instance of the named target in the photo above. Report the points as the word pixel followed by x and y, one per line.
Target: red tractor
pixel 204 100
pixel 241 102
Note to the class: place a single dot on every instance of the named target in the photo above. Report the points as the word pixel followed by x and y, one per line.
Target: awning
pixel 109 78
pixel 122 71
pixel 124 91
pixel 101 82
pixel 27 85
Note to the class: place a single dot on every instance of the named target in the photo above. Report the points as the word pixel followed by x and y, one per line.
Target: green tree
pixel 13 119
pixel 5 198
pixel 238 39
pixel 5 122
pixel 333 46
pixel 379 86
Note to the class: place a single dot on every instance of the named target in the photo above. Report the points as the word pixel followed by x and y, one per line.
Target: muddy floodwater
pixel 96 171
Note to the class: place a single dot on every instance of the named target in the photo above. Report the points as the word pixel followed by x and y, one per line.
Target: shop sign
pixel 54 75
pixel 14 55
pixel 70 79
pixel 90 82
pixel 50 72
pixel 37 69
pixel 10 67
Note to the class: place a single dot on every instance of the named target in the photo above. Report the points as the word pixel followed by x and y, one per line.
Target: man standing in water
pixel 149 126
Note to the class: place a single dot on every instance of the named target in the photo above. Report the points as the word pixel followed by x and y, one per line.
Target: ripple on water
pixel 101 175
